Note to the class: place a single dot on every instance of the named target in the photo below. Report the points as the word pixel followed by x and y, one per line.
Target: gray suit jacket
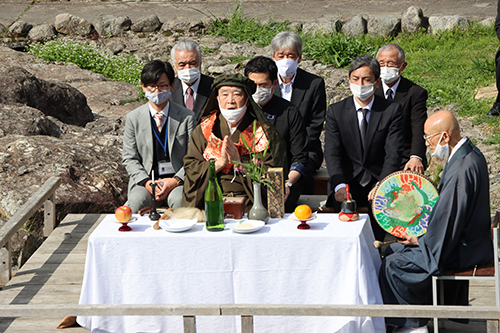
pixel 138 147
pixel 202 95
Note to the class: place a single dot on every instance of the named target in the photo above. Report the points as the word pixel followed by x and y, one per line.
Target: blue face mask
pixel 158 98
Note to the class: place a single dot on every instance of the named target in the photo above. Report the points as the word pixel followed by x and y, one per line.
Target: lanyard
pixel 155 131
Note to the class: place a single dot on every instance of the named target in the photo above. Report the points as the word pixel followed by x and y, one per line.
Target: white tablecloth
pixel 332 263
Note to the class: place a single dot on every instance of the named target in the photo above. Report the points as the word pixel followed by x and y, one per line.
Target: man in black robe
pixel 458 234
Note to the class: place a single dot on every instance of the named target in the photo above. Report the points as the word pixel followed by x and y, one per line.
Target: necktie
pixel 362 128
pixel 190 99
pixel 158 118
pixel 389 95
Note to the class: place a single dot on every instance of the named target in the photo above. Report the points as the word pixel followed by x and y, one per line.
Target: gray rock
pixel 20 28
pixel 72 25
pixel 323 25
pixel 355 26
pixel 42 33
pixel 20 119
pixel 112 25
pixel 487 22
pixel 227 69
pixel 384 26
pixel 182 25
pixel 3 29
pixel 115 47
pixel 413 19
pixel 148 24
pixel 53 99
pixel 442 23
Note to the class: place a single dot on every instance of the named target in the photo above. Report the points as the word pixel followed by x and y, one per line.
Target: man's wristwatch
pixel 288 183
pixel 179 181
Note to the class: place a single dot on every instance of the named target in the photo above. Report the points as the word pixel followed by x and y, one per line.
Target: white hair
pixel 185 45
pixel 286 39
pixel 392 46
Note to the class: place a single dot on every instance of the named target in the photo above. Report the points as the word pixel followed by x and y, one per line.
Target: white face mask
pixel 158 98
pixel 441 151
pixel 262 95
pixel 362 92
pixel 389 74
pixel 189 75
pixel 233 116
pixel 287 67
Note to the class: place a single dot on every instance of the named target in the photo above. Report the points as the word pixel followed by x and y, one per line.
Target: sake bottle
pixel 214 205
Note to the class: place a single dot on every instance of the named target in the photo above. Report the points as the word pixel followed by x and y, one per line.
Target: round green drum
pixel 403 203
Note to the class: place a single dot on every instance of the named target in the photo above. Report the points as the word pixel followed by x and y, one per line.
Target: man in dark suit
pixel 495 110
pixel 363 138
pixel 192 89
pixel 306 91
pixel 412 98
pixel 288 122
pixel 155 140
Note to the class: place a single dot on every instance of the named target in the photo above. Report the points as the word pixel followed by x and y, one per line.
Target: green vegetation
pixel 120 68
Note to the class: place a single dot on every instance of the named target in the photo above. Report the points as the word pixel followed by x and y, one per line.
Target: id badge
pixel 165 168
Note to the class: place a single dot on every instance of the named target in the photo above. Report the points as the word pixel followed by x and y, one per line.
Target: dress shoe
pixel 495 110
pixel 422 329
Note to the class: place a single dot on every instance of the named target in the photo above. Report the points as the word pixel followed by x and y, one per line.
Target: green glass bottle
pixel 214 204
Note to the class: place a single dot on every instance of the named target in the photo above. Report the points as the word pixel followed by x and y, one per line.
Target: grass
pixel 120 68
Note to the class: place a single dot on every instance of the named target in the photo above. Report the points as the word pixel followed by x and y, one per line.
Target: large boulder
pixel 53 99
pixel 413 19
pixel 20 119
pixel 147 24
pixel 322 25
pixel 20 28
pixel 442 23
pixel 384 26
pixel 112 25
pixel 42 33
pixel 72 25
pixel 355 26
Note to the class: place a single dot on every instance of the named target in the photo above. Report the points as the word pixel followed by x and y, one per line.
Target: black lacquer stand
pixel 154 216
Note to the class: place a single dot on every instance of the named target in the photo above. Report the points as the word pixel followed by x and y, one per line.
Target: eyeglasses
pixel 427 137
pixel 161 87
pixel 390 64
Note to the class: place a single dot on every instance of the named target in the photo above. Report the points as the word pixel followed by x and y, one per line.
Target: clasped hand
pixel 163 188
pixel 228 153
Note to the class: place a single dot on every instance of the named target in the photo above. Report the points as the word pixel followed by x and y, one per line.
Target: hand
pixel 415 165
pixel 371 195
pixel 341 195
pixel 408 240
pixel 145 210
pixel 231 150
pixel 287 192
pixel 165 186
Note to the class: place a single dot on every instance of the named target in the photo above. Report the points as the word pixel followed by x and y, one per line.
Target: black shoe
pixel 495 110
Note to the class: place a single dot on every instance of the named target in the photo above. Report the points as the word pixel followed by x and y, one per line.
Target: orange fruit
pixel 303 212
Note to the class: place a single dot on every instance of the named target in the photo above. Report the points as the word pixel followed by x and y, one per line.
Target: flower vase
pixel 258 211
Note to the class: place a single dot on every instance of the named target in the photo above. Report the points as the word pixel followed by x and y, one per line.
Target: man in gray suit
pixel 191 89
pixel 155 141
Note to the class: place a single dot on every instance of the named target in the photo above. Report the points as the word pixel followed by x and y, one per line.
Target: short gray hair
pixel 392 46
pixel 286 39
pixel 365 60
pixel 185 45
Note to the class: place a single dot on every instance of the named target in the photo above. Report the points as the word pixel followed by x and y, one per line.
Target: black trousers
pixel 497 63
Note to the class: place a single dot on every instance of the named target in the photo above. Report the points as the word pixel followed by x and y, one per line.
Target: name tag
pixel 165 168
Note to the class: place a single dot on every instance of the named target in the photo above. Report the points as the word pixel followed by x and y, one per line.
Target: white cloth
pixel 332 263
pixel 394 88
pixel 165 112
pixel 194 87
pixel 286 88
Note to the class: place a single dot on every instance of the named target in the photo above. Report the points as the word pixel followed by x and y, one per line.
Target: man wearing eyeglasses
pixel 155 140
pixel 412 98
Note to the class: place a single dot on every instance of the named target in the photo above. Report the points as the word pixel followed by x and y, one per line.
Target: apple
pixel 123 214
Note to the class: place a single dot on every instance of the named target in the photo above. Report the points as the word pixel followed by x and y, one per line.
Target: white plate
pixel 132 220
pixel 313 216
pixel 256 225
pixel 177 225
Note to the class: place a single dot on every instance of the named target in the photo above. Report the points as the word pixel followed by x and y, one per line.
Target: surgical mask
pixel 441 151
pixel 287 67
pixel 158 98
pixel 389 74
pixel 189 75
pixel 262 95
pixel 233 116
pixel 362 92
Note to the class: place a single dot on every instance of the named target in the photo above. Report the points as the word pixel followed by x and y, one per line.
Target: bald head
pixel 443 122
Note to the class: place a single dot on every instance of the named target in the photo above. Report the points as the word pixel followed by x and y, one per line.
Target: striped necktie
pixel 158 118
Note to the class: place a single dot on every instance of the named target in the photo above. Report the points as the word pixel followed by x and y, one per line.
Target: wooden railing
pixel 44 196
pixel 247 311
